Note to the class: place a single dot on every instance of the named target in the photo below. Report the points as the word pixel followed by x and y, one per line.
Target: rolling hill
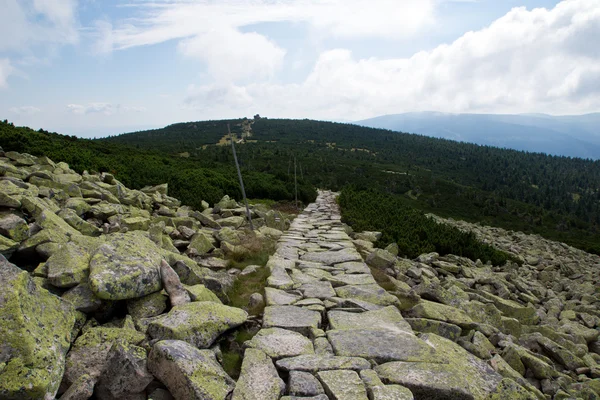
pixel 572 136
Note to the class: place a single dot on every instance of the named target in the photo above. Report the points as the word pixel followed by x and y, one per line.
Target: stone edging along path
pixel 331 332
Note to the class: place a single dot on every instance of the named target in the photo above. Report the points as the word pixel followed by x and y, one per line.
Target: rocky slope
pixel 112 293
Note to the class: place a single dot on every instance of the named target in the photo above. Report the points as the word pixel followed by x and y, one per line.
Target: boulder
pixel 198 323
pixel 170 280
pixel 14 227
pixel 457 374
pixel 148 306
pixel 189 373
pixel 89 354
pixel 293 318
pixel 125 267
pixel 380 259
pixel 69 266
pixel 304 384
pixel 126 372
pixel 314 363
pixel 36 334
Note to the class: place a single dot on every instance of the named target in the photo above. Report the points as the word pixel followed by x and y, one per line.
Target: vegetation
pixel 188 180
pixel 556 197
pixel 414 233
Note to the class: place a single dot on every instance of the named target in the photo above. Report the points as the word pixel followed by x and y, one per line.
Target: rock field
pixel 112 293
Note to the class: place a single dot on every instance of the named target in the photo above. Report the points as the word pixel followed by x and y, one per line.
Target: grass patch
pixel 245 286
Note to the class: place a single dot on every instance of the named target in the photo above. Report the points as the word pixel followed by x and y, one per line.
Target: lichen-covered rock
pixel 444 329
pixel 378 391
pixel 198 323
pixel 14 227
pixel 125 267
pixel 126 371
pixel 380 259
pixel 441 312
pixel 457 374
pixel 90 351
pixel 148 306
pixel 36 332
pixel 258 379
pixel 189 373
pixel 69 266
pixel 82 298
pixel 84 227
pixel 201 293
pixel 201 244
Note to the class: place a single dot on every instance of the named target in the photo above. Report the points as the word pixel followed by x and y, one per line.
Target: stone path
pixel 327 323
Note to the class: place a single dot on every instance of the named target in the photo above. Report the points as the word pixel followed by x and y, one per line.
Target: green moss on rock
pixel 36 333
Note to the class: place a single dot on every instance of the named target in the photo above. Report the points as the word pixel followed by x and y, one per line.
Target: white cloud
pixel 210 30
pixel 103 108
pixel 527 61
pixel 25 110
pixel 28 23
pixel 5 70
pixel 232 55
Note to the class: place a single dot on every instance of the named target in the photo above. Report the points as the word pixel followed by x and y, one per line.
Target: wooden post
pixel 237 166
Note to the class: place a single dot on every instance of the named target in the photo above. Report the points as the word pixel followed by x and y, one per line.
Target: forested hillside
pixel 187 179
pixel 556 197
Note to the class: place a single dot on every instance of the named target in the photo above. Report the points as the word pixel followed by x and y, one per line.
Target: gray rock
pixel 304 384
pixel 343 385
pixel 170 280
pixel 126 371
pixel 370 293
pixel 332 257
pixel 380 345
pixel 380 259
pixel 276 297
pixel 69 266
pixel 456 375
pixel 278 343
pixel 258 379
pixel 189 373
pixel 82 298
pixel 388 318
pixel 310 363
pixel 293 318
pixel 378 391
pixel 319 290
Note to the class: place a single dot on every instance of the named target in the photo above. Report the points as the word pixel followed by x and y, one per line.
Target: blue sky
pixel 98 67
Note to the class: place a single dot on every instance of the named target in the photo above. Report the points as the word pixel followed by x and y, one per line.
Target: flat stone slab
pixel 310 363
pixel 354 267
pixel 280 343
pixel 352 279
pixel 380 345
pixel 279 278
pixel 304 384
pixel 276 297
pixel 290 317
pixel 258 379
pixel 343 385
pixel 332 257
pixel 372 293
pixel 388 318
pixel 318 290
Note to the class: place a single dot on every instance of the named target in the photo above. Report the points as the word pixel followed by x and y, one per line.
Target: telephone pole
pixel 237 166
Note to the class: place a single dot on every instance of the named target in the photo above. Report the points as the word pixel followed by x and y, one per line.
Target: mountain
pixel 572 136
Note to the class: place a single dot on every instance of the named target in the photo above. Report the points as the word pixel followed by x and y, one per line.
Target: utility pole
pixel 295 183
pixel 237 166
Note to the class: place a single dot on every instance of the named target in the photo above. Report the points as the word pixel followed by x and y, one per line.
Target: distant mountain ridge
pixel 570 135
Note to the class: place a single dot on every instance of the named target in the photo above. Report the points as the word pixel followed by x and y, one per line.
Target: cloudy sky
pixel 99 67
